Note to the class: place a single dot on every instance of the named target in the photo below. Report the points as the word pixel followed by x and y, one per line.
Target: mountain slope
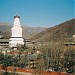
pixel 63 30
pixel 5 30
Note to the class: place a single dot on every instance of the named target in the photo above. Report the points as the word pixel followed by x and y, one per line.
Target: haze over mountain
pixel 58 32
pixel 63 30
pixel 5 30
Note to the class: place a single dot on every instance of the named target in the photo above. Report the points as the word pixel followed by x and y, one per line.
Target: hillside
pixel 58 32
pixel 5 30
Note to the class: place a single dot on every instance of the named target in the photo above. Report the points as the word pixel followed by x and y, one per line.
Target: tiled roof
pixel 4 40
pixel 69 43
pixel 32 56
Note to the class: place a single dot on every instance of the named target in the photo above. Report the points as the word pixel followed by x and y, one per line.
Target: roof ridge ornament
pixel 16 16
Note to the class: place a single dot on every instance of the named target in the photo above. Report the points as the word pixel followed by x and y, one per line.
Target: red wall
pixel 11 68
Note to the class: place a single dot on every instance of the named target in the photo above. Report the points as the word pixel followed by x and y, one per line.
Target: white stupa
pixel 16 30
pixel 74 37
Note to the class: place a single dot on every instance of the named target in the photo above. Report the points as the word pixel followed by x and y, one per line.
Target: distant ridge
pixel 58 32
pixel 5 30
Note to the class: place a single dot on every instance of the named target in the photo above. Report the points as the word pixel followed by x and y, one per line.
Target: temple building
pixel 71 43
pixel 16 31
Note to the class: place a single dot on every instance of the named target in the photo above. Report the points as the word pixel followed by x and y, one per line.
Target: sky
pixel 46 13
